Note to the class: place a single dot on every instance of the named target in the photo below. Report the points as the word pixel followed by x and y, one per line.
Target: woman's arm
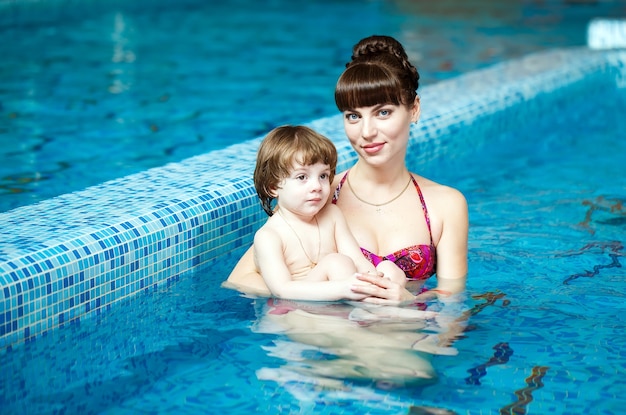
pixel 452 245
pixel 246 278
pixel 451 271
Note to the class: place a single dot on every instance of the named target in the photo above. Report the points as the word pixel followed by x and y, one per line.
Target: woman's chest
pixel 388 229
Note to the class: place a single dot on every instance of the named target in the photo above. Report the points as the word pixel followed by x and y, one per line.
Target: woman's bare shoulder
pixel 441 195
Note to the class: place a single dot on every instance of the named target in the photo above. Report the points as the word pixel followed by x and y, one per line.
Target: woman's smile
pixel 373 148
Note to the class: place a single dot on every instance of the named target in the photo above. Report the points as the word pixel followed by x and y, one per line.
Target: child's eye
pixel 324 176
pixel 301 177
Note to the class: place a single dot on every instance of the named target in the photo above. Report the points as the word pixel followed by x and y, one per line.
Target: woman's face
pixel 380 133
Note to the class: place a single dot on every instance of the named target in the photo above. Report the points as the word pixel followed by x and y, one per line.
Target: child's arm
pixel 347 244
pixel 268 251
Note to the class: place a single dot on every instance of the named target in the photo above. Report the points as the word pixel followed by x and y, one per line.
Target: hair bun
pixel 387 51
pixel 376 45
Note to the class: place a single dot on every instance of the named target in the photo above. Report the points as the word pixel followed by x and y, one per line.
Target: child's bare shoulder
pixel 329 211
pixel 267 233
pixel 331 217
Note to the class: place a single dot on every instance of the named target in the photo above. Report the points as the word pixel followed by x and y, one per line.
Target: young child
pixel 306 239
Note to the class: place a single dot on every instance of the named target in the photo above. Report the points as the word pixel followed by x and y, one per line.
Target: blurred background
pixel 94 90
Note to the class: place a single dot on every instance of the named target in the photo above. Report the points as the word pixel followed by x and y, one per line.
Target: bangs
pixel 366 85
pixel 310 152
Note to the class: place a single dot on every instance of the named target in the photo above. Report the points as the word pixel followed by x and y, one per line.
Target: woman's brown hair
pixel 379 73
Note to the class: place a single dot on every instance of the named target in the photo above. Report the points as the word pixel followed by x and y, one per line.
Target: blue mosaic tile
pixel 73 256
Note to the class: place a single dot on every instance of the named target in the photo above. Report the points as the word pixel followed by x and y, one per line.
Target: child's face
pixel 306 190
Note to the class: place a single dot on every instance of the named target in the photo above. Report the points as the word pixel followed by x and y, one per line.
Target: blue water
pixel 89 94
pixel 542 323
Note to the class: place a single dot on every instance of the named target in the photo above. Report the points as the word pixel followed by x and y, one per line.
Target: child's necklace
pixel 319 239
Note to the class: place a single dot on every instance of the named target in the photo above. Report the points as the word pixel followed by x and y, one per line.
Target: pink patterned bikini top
pixel 417 261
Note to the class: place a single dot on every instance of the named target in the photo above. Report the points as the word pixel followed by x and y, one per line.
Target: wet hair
pixel 280 149
pixel 379 73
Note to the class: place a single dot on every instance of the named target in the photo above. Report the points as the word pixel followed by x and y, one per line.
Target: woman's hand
pixel 381 290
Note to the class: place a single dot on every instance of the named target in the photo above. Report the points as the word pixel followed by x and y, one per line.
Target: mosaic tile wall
pixel 74 256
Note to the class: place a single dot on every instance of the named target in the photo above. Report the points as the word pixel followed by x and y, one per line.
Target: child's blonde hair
pixel 280 149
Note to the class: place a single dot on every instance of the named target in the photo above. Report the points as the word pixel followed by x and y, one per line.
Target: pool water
pixel 542 321
pixel 97 93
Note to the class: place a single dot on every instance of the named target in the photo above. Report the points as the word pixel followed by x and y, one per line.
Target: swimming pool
pixel 122 312
pixel 127 86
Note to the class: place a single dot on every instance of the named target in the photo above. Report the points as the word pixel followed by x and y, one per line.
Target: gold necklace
pixel 319 246
pixel 378 205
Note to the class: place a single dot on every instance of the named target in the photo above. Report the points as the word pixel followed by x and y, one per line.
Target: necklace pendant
pixel 379 210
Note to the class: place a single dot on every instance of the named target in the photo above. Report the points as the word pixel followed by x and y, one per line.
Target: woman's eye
pixel 384 113
pixel 352 117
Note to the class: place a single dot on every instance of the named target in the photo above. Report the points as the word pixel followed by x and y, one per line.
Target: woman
pixel 394 214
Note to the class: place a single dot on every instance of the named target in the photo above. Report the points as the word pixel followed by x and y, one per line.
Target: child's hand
pixel 355 281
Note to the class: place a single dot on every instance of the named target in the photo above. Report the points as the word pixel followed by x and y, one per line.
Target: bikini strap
pixel 419 192
pixel 338 189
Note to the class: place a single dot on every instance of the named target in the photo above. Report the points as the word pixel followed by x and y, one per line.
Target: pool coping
pixel 76 255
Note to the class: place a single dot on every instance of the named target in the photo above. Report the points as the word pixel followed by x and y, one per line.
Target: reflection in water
pixel 325 344
pixel 123 55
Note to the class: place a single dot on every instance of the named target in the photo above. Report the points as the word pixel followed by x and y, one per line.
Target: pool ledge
pixel 73 256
